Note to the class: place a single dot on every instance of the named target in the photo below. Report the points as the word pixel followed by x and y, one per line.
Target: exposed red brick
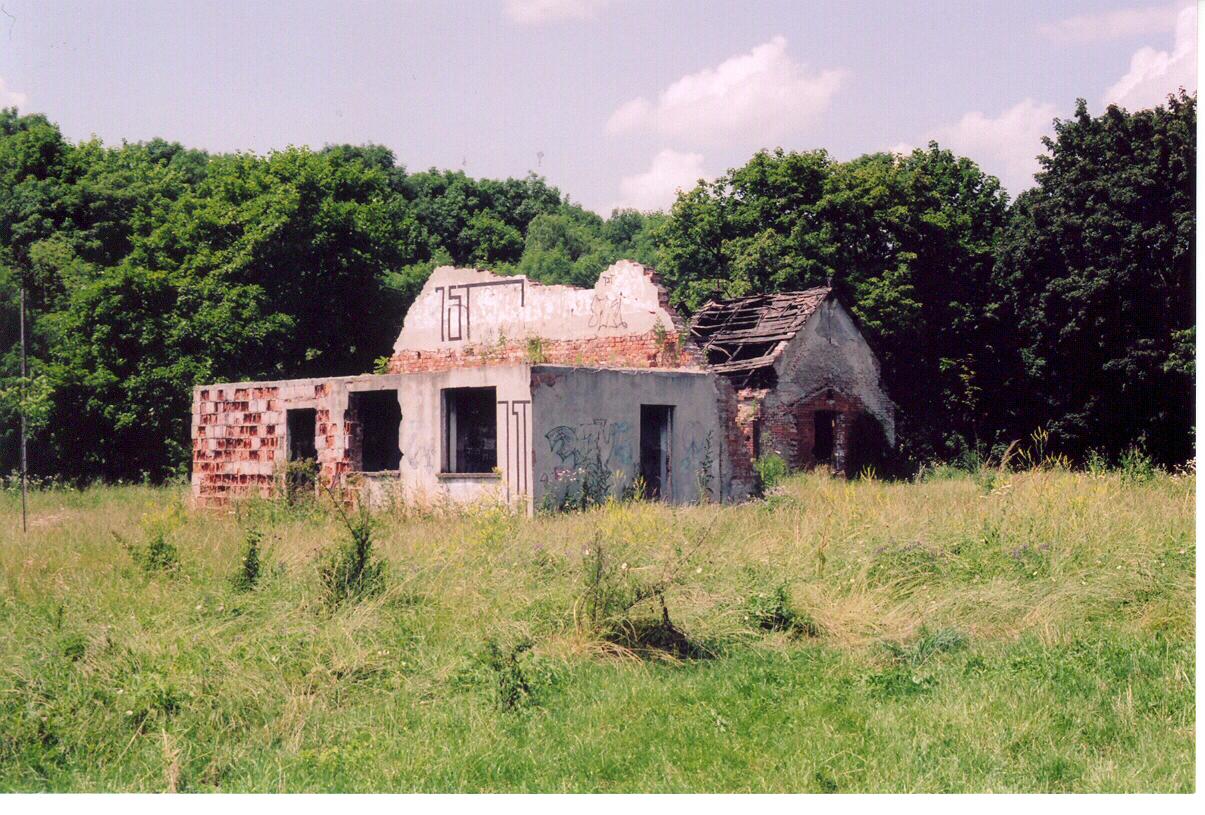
pixel 670 350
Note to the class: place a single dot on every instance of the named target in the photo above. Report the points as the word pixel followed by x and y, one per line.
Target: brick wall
pixel 672 349
pixel 788 428
pixel 740 474
pixel 239 438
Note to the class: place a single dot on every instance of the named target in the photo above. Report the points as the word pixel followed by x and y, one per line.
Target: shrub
pixel 349 571
pixel 1136 465
pixel 246 578
pixel 771 469
pixel 510 681
pixel 772 611
pixel 300 478
pixel 926 645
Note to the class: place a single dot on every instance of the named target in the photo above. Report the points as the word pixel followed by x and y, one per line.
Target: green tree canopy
pixel 1096 271
pixel 906 242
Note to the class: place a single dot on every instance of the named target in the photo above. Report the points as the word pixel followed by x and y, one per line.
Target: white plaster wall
pixel 830 351
pixel 459 307
pixel 422 437
pixel 590 418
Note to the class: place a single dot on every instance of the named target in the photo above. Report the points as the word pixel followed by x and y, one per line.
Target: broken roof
pixel 743 338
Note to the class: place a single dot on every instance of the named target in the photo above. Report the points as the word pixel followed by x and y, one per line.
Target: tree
pixel 907 244
pixel 1096 268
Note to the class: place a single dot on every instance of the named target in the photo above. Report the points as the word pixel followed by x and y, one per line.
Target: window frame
pixel 450 410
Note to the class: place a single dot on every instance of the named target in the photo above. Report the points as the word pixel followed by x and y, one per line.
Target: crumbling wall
pixel 827 367
pixel 469 317
pixel 240 433
pixel 739 420
pixel 586 431
pixel 237 433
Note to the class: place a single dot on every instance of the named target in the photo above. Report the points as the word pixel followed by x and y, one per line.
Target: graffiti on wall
pixel 455 307
pixel 606 311
pixel 588 456
pixel 516 461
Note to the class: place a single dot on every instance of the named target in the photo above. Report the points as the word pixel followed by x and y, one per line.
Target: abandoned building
pixel 504 389
pixel 806 382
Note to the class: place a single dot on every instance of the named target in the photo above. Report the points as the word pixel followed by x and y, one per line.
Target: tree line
pixel 150 268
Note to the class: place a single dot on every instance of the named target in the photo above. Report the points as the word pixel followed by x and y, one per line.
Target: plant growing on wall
pixel 535 350
pixel 667 350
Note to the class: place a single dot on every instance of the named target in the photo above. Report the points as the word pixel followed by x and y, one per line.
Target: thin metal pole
pixel 24 463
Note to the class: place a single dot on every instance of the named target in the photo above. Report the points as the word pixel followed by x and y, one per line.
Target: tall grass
pixel 1032 631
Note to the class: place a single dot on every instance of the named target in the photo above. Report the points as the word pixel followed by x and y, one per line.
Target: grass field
pixel 1028 631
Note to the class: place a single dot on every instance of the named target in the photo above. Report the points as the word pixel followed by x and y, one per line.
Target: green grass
pixel 1026 631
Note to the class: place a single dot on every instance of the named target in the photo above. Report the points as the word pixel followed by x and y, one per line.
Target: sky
pixel 618 103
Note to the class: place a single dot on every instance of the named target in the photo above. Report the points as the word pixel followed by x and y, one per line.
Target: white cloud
pixel 10 98
pixel 657 187
pixel 1114 25
pixel 763 92
pixel 537 12
pixel 1154 74
pixel 1006 145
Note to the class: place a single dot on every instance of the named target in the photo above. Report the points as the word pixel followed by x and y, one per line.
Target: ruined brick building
pixel 504 389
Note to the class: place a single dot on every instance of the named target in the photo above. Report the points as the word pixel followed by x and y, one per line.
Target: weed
pixel 535 350
pixel 511 686
pixel 1032 560
pixel 350 571
pixel 1136 466
pixel 926 645
pixel 667 349
pixel 1081 680
pixel 581 489
pixel 614 598
pixel 986 479
pixel 703 470
pixel 771 470
pixel 772 611
pixel 73 646
pixel 903 676
pixel 157 554
pixel 247 576
pixel 300 478
pixel 1096 464
pixel 907 565
pixel 636 490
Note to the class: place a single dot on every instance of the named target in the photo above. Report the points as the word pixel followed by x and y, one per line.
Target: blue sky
pixel 616 102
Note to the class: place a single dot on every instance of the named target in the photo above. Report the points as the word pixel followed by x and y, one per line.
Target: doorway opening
pixel 823 436
pixel 300 425
pixel 656 433
pixel 301 469
pixel 380 417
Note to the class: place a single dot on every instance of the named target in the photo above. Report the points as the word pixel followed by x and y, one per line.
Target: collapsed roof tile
pixel 743 337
